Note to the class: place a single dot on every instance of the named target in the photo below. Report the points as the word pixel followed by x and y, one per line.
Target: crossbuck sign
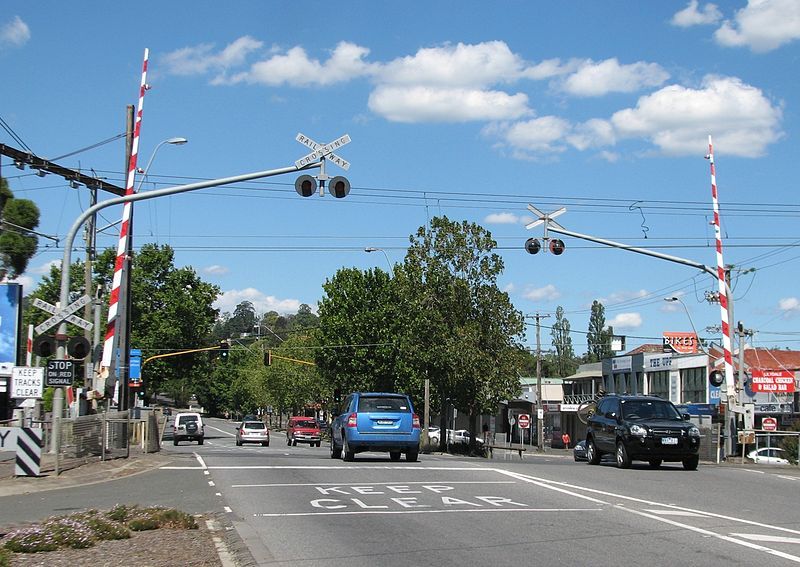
pixel 65 314
pixel 323 151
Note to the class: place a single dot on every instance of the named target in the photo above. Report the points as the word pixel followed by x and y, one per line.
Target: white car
pixel 769 456
pixel 434 435
pixel 461 436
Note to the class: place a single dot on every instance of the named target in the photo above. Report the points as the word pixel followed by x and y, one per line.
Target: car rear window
pixel 383 403
pixel 254 425
pixel 184 419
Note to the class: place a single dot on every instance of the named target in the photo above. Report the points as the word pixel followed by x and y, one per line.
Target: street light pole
pixel 373 249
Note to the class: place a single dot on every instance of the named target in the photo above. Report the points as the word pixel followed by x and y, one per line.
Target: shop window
pixel 659 384
pixel 693 385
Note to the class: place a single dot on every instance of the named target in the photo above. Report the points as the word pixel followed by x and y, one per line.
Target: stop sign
pixel 769 424
pixel 524 420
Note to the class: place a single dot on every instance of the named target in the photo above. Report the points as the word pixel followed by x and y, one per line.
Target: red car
pixel 303 430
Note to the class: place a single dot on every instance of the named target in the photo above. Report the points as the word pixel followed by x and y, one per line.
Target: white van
pixel 188 426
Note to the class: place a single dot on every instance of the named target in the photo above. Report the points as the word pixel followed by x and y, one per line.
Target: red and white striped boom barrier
pixel 122 247
pixel 723 287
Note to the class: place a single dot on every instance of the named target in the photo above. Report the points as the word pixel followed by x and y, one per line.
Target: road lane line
pixel 677 513
pixel 669 506
pixel 344 468
pixel 549 486
pixel 774 539
pixel 227 509
pixel 702 531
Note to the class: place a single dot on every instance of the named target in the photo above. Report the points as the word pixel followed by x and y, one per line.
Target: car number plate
pixel 669 441
pixel 385 422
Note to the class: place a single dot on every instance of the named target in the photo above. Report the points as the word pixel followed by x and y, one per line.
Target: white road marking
pixel 471 511
pixel 785 477
pixel 227 509
pixel 211 483
pixel 769 538
pixel 729 539
pixel 548 485
pixel 677 513
pixel 288 484
pixel 200 460
pixel 220 430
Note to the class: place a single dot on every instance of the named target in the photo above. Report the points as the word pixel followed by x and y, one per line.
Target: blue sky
pixel 469 109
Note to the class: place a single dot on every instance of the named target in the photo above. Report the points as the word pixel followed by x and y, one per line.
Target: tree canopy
pixel 18 217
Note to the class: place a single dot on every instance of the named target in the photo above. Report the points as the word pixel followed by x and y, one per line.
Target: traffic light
pixel 268 358
pixel 44 346
pixel 533 246
pixel 223 350
pixel 557 246
pixel 339 187
pixel 337 396
pixel 78 347
pixel 305 185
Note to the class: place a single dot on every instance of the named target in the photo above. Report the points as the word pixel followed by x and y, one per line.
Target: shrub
pixel 5 557
pixel 143 524
pixel 69 532
pixel 30 540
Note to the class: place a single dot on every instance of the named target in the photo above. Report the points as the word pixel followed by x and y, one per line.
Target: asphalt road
pixel 297 506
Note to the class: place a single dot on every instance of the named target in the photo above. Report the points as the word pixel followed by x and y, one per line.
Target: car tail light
pixel 351 421
pixel 415 422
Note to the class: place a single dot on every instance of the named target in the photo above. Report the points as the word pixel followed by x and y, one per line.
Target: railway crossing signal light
pixel 44 346
pixel 223 350
pixel 533 246
pixel 78 347
pixel 716 378
pixel 556 246
pixel 305 185
pixel 339 187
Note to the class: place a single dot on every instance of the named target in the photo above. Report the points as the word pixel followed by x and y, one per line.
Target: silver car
pixel 252 432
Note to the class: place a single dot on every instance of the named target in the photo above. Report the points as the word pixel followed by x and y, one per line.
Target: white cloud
pixel 262 303
pixel 546 293
pixel 43 269
pixel 27 283
pixel 692 16
pixel 215 270
pixel 450 66
pixel 762 25
pixel 545 134
pixel 509 288
pixel 596 79
pixel 297 69
pixel 619 297
pixel 15 33
pixel 626 321
pixel 503 218
pixel 678 119
pixel 202 59
pixel 434 104
pixel 550 68
pixel 593 133
pixel 790 305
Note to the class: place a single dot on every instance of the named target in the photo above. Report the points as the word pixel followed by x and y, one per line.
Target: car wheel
pixel 394 455
pixel 412 456
pixel 265 444
pixel 592 454
pixel 655 463
pixel 690 463
pixel 623 459
pixel 200 441
pixel 347 454
pixel 336 452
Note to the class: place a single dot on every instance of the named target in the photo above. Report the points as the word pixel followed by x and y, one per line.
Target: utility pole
pixel 539 405
pixel 122 333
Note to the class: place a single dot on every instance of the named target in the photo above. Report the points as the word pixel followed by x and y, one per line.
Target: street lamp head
pixel 370 249
pixel 671 299
pixel 177 141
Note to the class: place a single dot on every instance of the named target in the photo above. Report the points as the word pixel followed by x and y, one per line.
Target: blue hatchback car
pixel 376 421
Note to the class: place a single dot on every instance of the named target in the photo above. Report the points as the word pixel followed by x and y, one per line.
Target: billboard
pixel 772 381
pixel 10 320
pixel 682 343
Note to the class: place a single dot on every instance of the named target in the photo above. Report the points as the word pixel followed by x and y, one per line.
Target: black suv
pixel 641 428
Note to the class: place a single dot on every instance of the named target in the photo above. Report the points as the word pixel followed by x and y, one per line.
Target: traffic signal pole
pixel 733 405
pixel 61 334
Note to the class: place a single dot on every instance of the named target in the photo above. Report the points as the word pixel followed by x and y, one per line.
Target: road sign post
pixel 60 373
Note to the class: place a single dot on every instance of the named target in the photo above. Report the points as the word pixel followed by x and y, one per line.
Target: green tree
pixel 171 311
pixel 599 336
pixel 18 217
pixel 458 329
pixel 562 342
pixel 357 332
pixel 243 319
